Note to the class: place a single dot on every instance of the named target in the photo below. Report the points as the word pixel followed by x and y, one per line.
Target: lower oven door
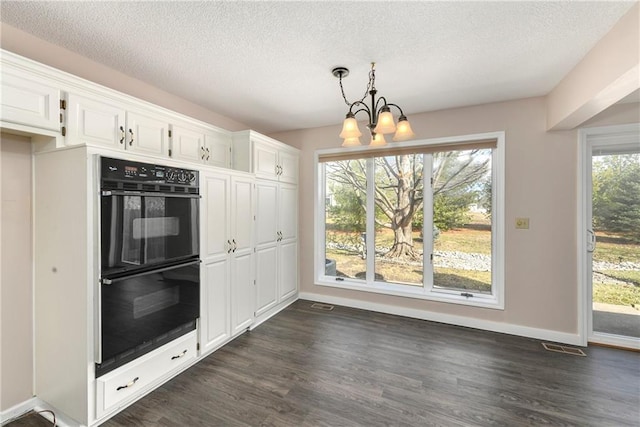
pixel 143 311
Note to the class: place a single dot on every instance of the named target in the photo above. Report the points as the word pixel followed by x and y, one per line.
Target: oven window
pixel 145 230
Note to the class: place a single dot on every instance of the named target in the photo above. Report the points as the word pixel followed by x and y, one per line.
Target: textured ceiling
pixel 267 64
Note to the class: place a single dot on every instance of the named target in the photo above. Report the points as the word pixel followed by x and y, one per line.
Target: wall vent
pixel 563 349
pixel 320 306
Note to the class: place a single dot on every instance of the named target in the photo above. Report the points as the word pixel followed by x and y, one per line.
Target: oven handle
pixel 106 281
pixel 107 193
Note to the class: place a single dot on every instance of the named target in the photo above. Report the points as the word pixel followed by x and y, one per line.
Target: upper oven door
pixel 140 230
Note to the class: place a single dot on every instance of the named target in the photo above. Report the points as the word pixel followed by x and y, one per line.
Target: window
pixel 421 219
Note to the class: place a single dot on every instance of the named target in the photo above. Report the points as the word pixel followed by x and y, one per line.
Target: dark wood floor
pixel 350 367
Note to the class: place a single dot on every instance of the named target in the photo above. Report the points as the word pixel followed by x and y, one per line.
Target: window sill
pixel 417 292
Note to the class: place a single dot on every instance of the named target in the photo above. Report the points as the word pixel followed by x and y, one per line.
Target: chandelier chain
pixel 370 85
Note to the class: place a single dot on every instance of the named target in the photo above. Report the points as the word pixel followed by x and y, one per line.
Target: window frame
pixel 493 301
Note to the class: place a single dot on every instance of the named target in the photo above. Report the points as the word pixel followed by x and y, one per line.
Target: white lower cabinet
pixel 276 245
pixel 227 251
pixel 118 387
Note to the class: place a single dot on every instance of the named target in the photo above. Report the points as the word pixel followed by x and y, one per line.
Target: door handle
pixel 207 150
pixel 131 140
pixel 591 240
pixel 230 247
pixel 235 245
pixel 121 135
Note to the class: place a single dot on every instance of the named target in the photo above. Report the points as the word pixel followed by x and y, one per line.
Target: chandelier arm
pixel 383 99
pixel 366 110
pixel 397 106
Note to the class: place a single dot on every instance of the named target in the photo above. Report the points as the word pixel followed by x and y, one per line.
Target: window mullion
pixel 427 223
pixel 371 225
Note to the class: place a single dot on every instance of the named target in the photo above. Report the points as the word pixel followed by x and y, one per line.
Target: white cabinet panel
pixel 288 166
pixel 147 134
pixel 288 211
pixel 266 212
pixel 288 267
pixel 215 217
pixel 94 122
pixel 187 144
pixel 242 293
pixel 266 279
pixel 242 218
pixel 265 161
pixel 218 150
pixel 215 325
pixel 28 102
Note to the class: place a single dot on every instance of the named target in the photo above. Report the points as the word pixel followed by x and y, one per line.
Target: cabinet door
pixel 288 211
pixel 242 292
pixel 241 214
pixel 146 134
pixel 28 102
pixel 288 269
pixel 266 213
pixel 94 122
pixel 289 167
pixel 215 303
pixel 187 144
pixel 215 240
pixel 265 160
pixel 217 150
pixel 266 279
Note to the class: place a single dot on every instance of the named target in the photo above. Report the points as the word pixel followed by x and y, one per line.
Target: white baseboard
pixel 17 410
pixel 469 322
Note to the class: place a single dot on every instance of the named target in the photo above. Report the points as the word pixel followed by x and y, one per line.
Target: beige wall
pixel 29 46
pixel 540 274
pixel 16 317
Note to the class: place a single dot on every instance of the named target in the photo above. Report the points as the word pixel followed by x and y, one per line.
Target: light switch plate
pixel 522 223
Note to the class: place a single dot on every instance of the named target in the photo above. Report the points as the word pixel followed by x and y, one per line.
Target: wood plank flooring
pixel 348 367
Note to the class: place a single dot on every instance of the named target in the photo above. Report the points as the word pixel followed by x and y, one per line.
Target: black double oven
pixel 150 261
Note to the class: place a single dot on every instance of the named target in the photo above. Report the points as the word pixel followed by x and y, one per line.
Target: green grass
pixel 632 277
pixel 616 294
pixel 477 240
pixel 615 249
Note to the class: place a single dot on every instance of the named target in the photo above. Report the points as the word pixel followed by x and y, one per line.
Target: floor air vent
pixel 562 349
pixel 320 306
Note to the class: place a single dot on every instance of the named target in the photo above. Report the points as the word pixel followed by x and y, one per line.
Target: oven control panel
pixel 125 170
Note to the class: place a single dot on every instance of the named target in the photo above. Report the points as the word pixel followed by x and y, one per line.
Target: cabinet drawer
pixel 131 380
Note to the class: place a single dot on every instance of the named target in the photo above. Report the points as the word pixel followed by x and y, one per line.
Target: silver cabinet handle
pixel 230 247
pixel 202 153
pixel 207 150
pixel 121 135
pixel 179 355
pixel 131 133
pixel 235 245
pixel 129 384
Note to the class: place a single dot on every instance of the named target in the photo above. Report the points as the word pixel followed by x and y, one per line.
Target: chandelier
pixel 381 120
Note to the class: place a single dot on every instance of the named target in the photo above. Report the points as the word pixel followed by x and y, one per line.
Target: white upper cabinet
pixel 146 133
pixel 265 157
pixel 195 144
pixel 28 101
pixel 107 123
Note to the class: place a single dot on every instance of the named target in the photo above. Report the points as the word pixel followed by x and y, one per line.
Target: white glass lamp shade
pixel 351 142
pixel 403 131
pixel 378 140
pixel 350 128
pixel 385 123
